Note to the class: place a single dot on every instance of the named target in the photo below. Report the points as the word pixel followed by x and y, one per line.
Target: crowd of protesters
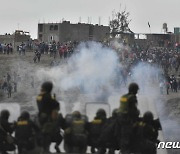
pixel 167 59
pixel 54 49
pixel 6 48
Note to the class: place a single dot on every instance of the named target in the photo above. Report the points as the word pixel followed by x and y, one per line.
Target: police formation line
pixel 124 131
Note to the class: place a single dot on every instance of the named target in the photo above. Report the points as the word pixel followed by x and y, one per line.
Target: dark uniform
pixel 47 106
pixel 25 132
pixel 6 129
pixel 95 128
pixel 128 115
pixel 108 135
pixel 101 114
pixel 113 128
pixel 58 124
pixel 75 136
pixel 145 134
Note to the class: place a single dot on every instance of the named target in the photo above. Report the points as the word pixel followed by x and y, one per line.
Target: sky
pixel 25 14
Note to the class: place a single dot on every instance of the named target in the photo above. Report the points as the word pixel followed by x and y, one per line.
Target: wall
pixel 100 32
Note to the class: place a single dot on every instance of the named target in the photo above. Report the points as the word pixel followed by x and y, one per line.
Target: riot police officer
pixel 25 132
pixel 128 114
pixel 108 137
pixel 145 134
pixel 45 101
pixel 7 142
pixel 47 106
pixel 75 137
pixel 95 128
pixel 113 125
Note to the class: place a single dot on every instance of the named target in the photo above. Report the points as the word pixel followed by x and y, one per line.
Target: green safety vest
pixel 124 104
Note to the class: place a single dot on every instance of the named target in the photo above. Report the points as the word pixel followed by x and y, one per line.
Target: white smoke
pixel 92 70
pixel 122 49
pixel 92 67
pixel 147 77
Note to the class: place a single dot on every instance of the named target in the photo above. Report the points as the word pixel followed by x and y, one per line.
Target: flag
pixel 149 25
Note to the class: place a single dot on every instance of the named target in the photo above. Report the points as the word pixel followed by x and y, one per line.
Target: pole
pixel 149 27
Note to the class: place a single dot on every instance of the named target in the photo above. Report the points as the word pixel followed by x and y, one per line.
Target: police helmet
pixel 47 86
pixel 25 115
pixel 5 114
pixel 76 114
pixel 148 116
pixel 101 113
pixel 133 87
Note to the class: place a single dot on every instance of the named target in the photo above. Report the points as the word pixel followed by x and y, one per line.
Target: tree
pixel 120 23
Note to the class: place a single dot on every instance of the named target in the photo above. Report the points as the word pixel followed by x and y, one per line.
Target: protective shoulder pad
pixel 39 98
pixel 21 123
pixel 97 121
pixel 124 99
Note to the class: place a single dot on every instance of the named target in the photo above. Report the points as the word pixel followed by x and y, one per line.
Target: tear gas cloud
pixel 90 70
pixel 120 48
pixel 147 77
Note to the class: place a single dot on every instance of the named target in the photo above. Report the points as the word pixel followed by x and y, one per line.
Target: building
pixel 156 40
pixel 177 34
pixel 65 31
pixel 16 38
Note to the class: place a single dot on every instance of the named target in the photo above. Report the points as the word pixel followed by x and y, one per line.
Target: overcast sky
pixel 25 14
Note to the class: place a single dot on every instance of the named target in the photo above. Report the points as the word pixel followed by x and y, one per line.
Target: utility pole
pixel 99 20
